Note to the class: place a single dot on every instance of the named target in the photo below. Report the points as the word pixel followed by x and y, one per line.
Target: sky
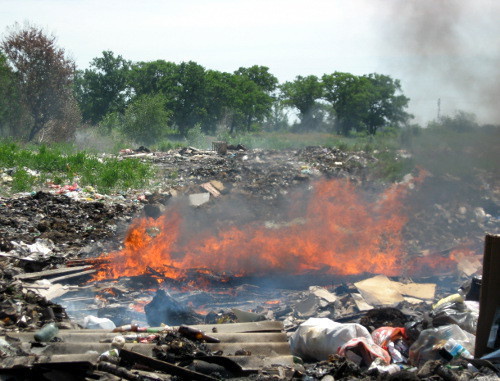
pixel 439 49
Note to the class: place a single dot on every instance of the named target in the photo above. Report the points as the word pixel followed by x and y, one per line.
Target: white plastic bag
pixel 93 322
pixel 317 338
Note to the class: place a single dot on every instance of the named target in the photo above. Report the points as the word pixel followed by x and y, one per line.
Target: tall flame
pixel 341 233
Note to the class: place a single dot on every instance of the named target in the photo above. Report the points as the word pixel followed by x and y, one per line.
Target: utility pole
pixel 439 109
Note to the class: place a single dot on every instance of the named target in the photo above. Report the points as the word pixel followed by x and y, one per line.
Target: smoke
pixel 450 52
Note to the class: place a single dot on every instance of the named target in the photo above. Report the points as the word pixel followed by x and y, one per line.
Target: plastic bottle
pixel 392 368
pixel 196 334
pixel 127 328
pixel 456 349
pixel 47 333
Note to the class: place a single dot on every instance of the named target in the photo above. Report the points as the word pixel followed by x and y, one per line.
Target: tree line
pixel 44 96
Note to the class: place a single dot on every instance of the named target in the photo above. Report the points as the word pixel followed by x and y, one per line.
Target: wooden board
pixel 82 336
pixel 265 341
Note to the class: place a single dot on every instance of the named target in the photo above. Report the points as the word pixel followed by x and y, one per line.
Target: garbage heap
pixel 388 344
pixel 366 330
pixel 362 338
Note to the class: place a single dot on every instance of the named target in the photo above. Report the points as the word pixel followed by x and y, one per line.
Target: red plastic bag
pixel 384 335
pixel 394 341
pixel 363 351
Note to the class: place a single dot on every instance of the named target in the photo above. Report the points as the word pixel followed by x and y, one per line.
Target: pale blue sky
pixel 295 37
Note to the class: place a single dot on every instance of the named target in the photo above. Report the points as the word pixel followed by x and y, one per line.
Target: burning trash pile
pixel 249 265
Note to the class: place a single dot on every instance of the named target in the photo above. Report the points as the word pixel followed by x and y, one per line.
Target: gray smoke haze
pixel 451 50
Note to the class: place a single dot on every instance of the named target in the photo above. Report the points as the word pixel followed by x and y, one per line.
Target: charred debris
pixel 58 320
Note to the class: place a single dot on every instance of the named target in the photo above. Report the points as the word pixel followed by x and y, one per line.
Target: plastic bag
pixel 393 340
pixel 317 338
pixel 384 335
pixel 93 322
pixel 432 340
pixel 364 351
pixel 384 368
pixel 455 311
pixel 398 350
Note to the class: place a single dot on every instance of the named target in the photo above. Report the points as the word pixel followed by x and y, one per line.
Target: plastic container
pixel 431 342
pixel 47 333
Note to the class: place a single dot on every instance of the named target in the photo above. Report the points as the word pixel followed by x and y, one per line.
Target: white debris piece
pixel 198 199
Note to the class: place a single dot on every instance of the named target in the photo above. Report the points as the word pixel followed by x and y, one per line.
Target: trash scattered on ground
pixel 58 319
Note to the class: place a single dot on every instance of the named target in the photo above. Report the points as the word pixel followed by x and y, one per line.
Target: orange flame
pixel 442 264
pixel 342 234
pixel 273 302
pixel 138 305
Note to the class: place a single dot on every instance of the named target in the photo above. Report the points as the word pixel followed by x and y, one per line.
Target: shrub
pixel 146 119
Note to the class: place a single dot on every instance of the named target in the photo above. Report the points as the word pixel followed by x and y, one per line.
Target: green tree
pixel 220 94
pixel 349 96
pixel 278 119
pixel 387 103
pixel 45 77
pixel 207 98
pixel 303 94
pixel 11 110
pixel 146 119
pixel 103 88
pixel 460 122
pixel 364 103
pixel 184 87
pixel 190 102
pixel 250 104
pixel 261 76
pixel 155 77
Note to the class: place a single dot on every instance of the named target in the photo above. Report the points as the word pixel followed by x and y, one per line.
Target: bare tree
pixel 45 78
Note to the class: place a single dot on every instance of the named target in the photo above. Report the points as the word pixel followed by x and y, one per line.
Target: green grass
pixel 391 167
pixel 62 166
pixel 23 181
pixel 166 145
pixel 289 140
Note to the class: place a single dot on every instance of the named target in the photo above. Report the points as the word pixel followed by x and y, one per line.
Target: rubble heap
pixel 392 328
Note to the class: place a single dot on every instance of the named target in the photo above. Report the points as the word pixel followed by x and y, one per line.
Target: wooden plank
pixel 260 326
pixel 66 277
pixel 26 361
pixel 228 349
pixel 490 293
pixel 163 366
pixel 50 273
pixel 256 363
pixel 265 340
pixel 255 349
pixel 75 348
pixel 247 363
pixel 82 336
